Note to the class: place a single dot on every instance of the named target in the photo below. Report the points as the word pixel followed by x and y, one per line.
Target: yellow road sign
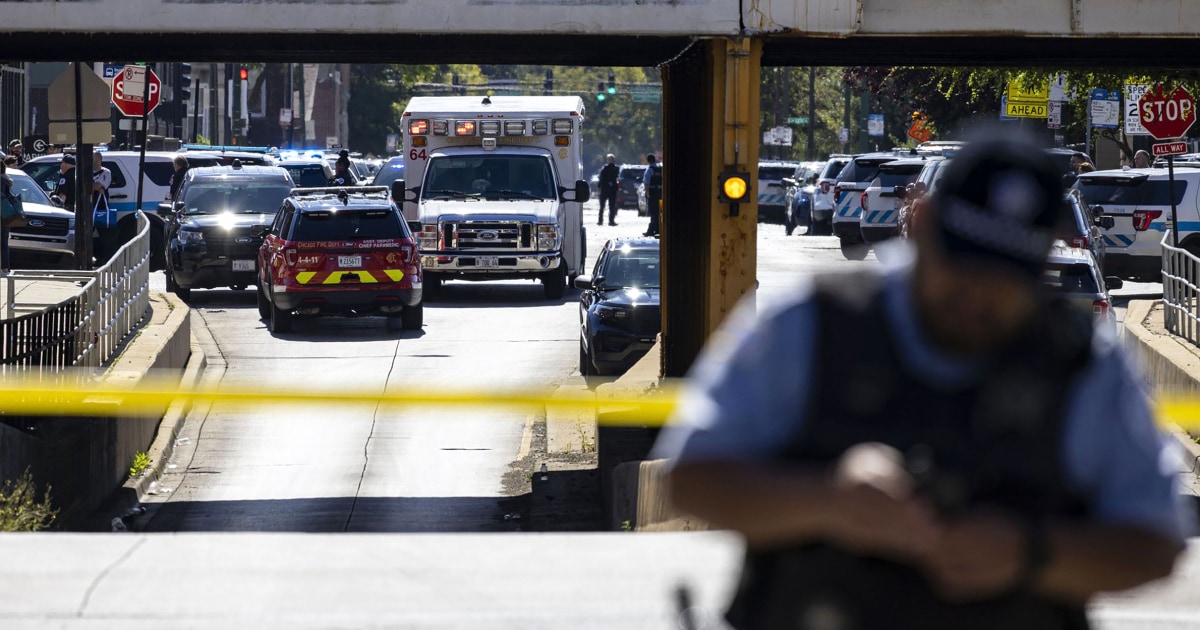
pixel 1017 92
pixel 1026 109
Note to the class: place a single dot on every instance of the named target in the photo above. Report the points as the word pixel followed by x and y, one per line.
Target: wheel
pixel 173 287
pixel 821 228
pixel 432 288
pixel 854 250
pixel 554 282
pixel 264 305
pixel 394 323
pixel 281 320
pixel 585 362
pixel 412 317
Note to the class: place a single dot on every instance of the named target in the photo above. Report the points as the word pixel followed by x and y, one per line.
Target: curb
pixel 163 447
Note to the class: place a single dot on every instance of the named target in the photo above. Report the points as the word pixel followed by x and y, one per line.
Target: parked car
pixel 49 238
pixel 215 229
pixel 619 308
pixel 926 182
pixel 823 195
pixel 854 179
pixel 772 191
pixel 883 200
pixel 340 251
pixel 628 179
pixel 1073 273
pixel 800 195
pixel 1086 228
pixel 308 172
pixel 389 172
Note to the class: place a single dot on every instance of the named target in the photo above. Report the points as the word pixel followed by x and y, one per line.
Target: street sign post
pixel 1133 121
pixel 79 115
pixel 1166 116
pixel 285 116
pixel 875 124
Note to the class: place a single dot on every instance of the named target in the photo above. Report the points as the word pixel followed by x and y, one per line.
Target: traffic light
pixel 600 95
pixel 733 187
pixel 183 82
pixel 612 83
pixel 243 73
pixel 548 84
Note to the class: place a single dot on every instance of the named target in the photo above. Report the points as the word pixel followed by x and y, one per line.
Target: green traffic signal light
pixel 600 96
pixel 612 90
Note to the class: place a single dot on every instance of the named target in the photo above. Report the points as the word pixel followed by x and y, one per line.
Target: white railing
pixel 115 299
pixel 1181 291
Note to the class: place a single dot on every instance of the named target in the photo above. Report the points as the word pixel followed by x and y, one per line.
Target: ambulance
pixel 493 188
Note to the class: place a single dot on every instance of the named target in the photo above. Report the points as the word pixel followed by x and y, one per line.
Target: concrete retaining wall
pixel 85 460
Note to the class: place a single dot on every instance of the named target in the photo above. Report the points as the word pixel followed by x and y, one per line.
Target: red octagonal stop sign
pixel 129 89
pixel 1167 115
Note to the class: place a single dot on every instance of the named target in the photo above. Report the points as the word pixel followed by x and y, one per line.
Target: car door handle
pixel 118 196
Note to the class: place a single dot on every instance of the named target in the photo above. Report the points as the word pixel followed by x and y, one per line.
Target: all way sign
pixel 1170 148
pixel 1020 109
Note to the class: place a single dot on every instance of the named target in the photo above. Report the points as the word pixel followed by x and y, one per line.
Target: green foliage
pixel 784 95
pixel 141 462
pixel 20 510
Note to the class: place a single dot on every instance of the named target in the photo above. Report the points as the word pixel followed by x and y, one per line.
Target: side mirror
pixel 583 282
pixel 901 191
pixel 789 181
pixel 58 203
pixel 165 210
pixel 1107 223
pixel 1112 283
pixel 398 192
pixel 581 193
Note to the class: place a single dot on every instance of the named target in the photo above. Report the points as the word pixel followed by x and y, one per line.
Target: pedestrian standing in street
pixel 653 181
pixel 17 150
pixel 608 189
pixel 181 166
pixel 341 172
pixel 107 238
pixel 65 189
pixel 935 445
pixel 1141 159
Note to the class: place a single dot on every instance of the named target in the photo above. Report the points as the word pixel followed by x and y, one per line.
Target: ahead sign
pixel 129 88
pixel 1167 115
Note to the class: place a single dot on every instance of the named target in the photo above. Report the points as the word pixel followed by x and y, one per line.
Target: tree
pixel 380 94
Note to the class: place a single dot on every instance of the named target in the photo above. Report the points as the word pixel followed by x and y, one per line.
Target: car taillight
pixel 290 256
pixel 863 201
pixel 1143 218
pixel 825 188
pixel 407 253
pixel 1100 308
pixel 1080 241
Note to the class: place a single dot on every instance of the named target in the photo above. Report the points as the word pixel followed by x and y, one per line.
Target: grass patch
pixel 20 510
pixel 141 462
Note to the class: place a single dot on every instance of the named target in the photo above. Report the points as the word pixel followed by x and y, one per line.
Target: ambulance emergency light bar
pixel 490 128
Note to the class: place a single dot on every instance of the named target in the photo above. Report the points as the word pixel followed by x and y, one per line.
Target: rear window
pixel 1070 278
pixel 324 225
pixel 859 172
pixel 633 173
pixel 832 169
pixel 1125 192
pixel 389 173
pixel 775 173
pixel 308 176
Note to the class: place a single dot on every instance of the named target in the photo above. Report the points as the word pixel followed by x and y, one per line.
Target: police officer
pixel 938 445
pixel 65 189
pixel 608 189
pixel 341 172
pixel 653 180
pixel 17 150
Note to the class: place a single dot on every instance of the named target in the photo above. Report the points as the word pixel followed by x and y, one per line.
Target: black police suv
pixel 619 309
pixel 213 230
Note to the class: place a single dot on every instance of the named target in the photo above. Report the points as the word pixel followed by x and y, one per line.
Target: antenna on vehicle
pixel 487 100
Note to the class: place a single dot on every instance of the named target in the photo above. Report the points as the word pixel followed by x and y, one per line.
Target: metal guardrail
pixel 1181 291
pixel 86 329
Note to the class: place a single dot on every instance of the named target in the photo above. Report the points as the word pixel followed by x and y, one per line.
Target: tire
pixel 264 305
pixel 821 228
pixel 394 324
pixel 184 294
pixel 412 317
pixel 585 362
pixel 855 250
pixel 554 282
pixel 432 288
pixel 280 321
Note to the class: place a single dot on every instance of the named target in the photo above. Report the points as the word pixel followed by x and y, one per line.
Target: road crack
pixel 87 596
pixel 370 435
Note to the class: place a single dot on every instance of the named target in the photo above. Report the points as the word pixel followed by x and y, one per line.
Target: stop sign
pixel 128 90
pixel 1167 115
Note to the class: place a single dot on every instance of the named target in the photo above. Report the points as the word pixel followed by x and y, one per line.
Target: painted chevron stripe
pixel 362 276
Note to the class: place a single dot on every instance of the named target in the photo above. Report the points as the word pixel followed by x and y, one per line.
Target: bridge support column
pixel 709 252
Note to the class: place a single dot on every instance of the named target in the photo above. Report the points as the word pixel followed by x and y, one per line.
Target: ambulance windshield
pixel 489 177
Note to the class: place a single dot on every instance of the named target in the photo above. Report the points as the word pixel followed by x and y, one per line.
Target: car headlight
pixel 548 238
pixel 191 237
pixel 611 314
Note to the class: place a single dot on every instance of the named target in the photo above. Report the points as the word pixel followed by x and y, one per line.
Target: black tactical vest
pixel 996 442
pixel 656 180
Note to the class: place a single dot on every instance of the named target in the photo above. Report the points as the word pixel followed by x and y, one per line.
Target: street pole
pixel 846 117
pixel 864 109
pixel 195 111
pixel 213 125
pixel 83 182
pixel 1171 191
pixel 812 112
pixel 291 105
pixel 142 157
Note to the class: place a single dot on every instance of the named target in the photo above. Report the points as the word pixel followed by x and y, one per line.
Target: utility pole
pixel 812 112
pixel 864 109
pixel 291 105
pixel 228 105
pixel 846 117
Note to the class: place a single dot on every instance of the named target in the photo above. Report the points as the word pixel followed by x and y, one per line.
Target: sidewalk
pixel 33 295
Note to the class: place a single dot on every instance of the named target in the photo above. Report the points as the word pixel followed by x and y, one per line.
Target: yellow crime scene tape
pixel 32 398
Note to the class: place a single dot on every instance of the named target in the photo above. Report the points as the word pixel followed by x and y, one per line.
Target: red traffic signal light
pixel 243 73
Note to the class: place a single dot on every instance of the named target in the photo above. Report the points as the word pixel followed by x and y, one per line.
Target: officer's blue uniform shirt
pixel 647 175
pixel 746 401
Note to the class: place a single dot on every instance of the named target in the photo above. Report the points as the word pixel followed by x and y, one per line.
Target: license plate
pixel 349 261
pixel 243 265
pixel 486 262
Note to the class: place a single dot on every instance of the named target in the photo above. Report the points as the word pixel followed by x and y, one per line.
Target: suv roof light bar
pixel 333 190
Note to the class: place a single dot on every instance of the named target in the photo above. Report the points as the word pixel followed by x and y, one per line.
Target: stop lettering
pixel 1167 115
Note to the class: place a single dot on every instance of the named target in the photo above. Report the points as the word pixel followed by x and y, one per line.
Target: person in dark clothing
pixel 936 445
pixel 653 181
pixel 65 189
pixel 608 190
pixel 181 168
pixel 341 172
pixel 17 150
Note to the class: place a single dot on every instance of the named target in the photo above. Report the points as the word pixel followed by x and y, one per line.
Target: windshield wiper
pixel 516 193
pixel 453 193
